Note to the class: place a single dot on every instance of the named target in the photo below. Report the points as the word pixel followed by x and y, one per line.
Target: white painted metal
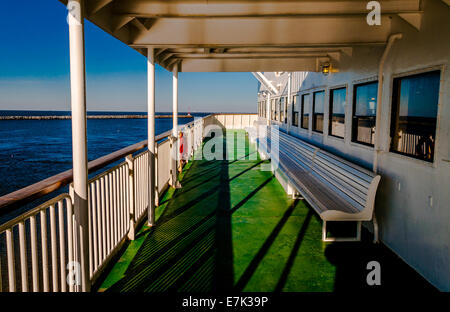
pixel 377 149
pixel 151 134
pixel 44 251
pixel 156 176
pixel 175 140
pixel 46 211
pixel 141 185
pixel 23 257
pixel 11 261
pixel 34 254
pixel 175 100
pixel 266 82
pixel 119 221
pixel 79 136
pixel 131 198
pixel 164 165
pixel 268 109
pixel 326 238
pixel 62 247
pixel 53 246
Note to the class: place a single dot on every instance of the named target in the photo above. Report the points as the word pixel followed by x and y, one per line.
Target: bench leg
pixel 375 229
pixel 341 239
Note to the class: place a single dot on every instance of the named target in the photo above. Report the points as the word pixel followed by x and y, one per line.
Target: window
pixel 306 98
pixel 338 99
pixel 279 109
pixel 274 113
pixel 414 114
pixel 295 110
pixel 282 113
pixel 276 109
pixel 264 105
pixel 285 109
pixel 318 106
pixel 364 113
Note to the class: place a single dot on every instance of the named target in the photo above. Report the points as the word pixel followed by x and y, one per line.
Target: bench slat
pixel 325 180
pixel 357 204
pixel 319 197
pixel 356 187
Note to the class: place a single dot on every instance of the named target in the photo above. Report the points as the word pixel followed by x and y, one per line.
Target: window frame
pixel 353 125
pixel 330 111
pixel 394 102
pixel 294 100
pixel 302 110
pixel 282 112
pixel 313 124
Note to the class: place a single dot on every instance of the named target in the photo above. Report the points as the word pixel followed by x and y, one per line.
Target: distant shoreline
pixel 89 117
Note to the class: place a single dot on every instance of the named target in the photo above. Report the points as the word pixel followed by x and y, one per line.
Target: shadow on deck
pixel 231 227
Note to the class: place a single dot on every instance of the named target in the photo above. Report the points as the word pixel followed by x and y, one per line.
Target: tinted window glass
pixel 306 98
pixel 295 110
pixel 414 115
pixel 364 113
pixel 338 99
pixel 319 104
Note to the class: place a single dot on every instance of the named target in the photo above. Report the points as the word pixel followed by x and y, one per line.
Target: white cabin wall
pixel 413 200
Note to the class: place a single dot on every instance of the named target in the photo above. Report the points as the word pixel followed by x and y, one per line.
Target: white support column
pixel 175 101
pixel 268 108
pixel 79 136
pixel 151 134
pixel 175 125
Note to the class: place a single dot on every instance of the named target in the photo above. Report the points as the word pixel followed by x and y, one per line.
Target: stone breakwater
pixel 88 117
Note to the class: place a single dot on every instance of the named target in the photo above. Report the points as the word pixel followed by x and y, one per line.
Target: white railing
pixel 40 242
pixel 109 215
pixel 141 185
pixel 232 121
pixel 40 250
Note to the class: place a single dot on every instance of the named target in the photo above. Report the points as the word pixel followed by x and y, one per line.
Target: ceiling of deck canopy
pixel 247 36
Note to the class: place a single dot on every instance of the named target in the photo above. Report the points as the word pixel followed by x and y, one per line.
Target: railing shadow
pixel 190 247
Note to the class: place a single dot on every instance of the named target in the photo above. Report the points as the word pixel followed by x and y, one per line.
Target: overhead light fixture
pixel 326 68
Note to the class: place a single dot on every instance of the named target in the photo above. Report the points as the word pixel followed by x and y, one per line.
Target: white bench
pixel 336 189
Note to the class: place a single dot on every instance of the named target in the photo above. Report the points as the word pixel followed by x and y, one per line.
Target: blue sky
pixel 34 69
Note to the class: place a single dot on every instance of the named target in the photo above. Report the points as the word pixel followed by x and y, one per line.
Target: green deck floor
pixel 232 227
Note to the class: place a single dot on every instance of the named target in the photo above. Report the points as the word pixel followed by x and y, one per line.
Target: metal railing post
pixel 131 232
pixel 156 177
pixel 151 134
pixel 173 160
pixel 79 136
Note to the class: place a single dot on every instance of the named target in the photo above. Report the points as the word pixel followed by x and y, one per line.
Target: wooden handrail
pixel 29 193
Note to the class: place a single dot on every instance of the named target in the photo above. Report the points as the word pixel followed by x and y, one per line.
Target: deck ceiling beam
pixel 118 22
pixel 248 35
pixel 247 55
pixel 243 65
pixel 211 32
pixel 270 49
pixel 93 7
pixel 283 8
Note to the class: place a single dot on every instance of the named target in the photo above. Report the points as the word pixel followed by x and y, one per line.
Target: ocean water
pixel 32 150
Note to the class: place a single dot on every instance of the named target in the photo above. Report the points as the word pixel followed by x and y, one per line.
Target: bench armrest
pixel 372 192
